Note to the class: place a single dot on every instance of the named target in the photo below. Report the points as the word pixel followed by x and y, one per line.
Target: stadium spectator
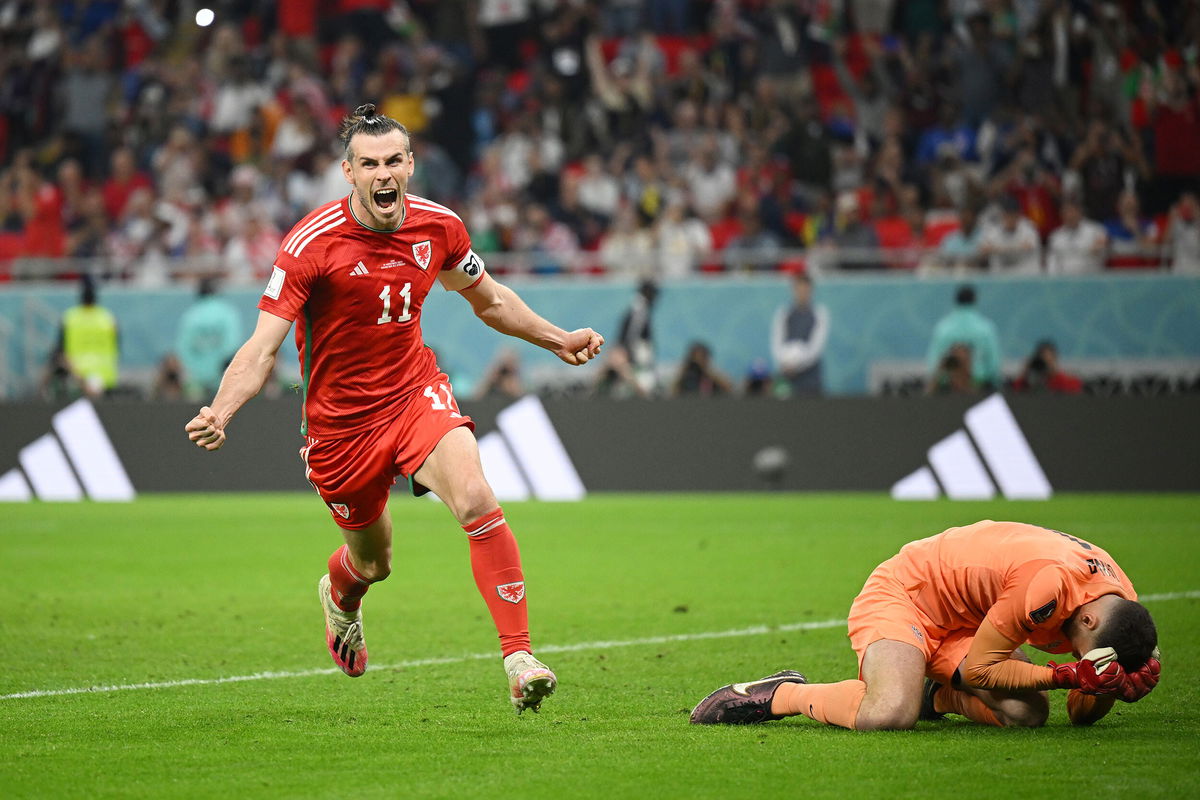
pixel 1133 238
pixel 950 138
pixel 758 381
pixel 981 64
pixel 139 243
pixel 855 243
pixel 711 183
pixel 599 190
pixel 1079 244
pixel 756 248
pixel 799 332
pixel 698 375
pixel 965 326
pixel 249 252
pixel 1103 161
pixel 1182 237
pixel 209 333
pixel 1042 373
pixel 503 377
pixel 953 373
pixel 168 380
pixel 1175 120
pixel 938 629
pixel 681 242
pixel 379 392
pixel 552 246
pixel 123 180
pixel 86 89
pixel 1036 188
pixel 808 148
pixel 1011 245
pixel 960 250
pixel 1026 100
pixel 627 249
pixel 617 378
pixel 871 94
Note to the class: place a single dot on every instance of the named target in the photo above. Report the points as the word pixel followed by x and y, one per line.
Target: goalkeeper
pixel 938 629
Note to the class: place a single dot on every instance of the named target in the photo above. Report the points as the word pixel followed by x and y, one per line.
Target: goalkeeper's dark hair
pixel 365 119
pixel 1129 629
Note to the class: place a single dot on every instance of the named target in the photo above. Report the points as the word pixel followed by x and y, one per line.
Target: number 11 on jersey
pixel 386 297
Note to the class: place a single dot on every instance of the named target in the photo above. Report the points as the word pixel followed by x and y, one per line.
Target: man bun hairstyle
pixel 1130 631
pixel 367 120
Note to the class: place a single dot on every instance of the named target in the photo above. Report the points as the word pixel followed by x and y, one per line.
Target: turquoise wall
pixel 872 318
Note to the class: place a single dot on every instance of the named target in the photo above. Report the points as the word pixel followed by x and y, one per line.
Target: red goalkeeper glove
pixel 1096 673
pixel 1142 680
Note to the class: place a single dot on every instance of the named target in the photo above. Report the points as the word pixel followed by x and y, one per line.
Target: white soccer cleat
pixel 529 680
pixel 343 633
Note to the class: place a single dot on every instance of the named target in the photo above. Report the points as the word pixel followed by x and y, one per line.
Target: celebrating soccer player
pixel 353 275
pixel 938 628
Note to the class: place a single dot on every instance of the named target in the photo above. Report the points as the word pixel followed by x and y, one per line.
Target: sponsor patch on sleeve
pixel 1040 615
pixel 275 285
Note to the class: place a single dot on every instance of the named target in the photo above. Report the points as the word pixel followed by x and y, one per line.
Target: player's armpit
pixel 989 664
pixel 1085 709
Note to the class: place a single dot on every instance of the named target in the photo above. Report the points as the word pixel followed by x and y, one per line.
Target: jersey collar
pixel 403 215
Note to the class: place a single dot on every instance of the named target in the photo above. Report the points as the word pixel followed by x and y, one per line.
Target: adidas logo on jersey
pixel 360 269
pixel 970 464
pixel 75 460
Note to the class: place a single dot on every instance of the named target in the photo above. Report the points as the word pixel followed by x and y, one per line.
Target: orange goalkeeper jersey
pixel 1023 579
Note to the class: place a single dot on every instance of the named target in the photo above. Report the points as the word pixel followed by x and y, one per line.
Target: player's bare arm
pixel 244 378
pixel 502 309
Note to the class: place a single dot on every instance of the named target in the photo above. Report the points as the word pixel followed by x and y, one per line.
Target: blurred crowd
pixel 641 138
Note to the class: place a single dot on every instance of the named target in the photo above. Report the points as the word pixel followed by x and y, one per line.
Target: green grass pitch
pixel 642 604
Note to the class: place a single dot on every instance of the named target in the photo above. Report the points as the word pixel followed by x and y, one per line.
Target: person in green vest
pixel 88 345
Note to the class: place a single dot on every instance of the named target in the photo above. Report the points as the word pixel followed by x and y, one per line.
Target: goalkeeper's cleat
pixel 529 681
pixel 927 692
pixel 343 633
pixel 743 703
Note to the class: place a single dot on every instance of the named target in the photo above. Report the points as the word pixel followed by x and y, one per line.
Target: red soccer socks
pixel 496 565
pixel 348 586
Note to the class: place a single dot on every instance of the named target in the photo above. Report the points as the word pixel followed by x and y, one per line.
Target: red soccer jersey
pixel 355 295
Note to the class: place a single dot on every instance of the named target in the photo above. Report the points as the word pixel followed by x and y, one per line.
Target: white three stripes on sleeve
pixel 429 205
pixel 315 227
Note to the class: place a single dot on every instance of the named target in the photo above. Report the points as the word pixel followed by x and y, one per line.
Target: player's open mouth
pixel 386 199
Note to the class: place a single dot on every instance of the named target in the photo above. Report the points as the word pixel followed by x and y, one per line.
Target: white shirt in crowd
pixel 1015 252
pixel 1076 251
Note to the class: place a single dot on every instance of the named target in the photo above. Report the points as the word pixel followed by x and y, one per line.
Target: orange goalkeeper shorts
pixel 885 610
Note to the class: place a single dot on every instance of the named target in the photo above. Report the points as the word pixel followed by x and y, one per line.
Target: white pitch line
pixel 756 630
pixel 425 662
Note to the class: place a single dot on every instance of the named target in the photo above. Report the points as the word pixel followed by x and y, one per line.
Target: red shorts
pixel 885 610
pixel 354 474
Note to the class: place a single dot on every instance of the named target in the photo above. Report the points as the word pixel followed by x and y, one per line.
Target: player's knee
pixel 888 717
pixel 376 569
pixel 885 722
pixel 477 499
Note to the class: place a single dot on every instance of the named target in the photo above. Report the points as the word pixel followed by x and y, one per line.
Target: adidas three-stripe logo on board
pixel 991 453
